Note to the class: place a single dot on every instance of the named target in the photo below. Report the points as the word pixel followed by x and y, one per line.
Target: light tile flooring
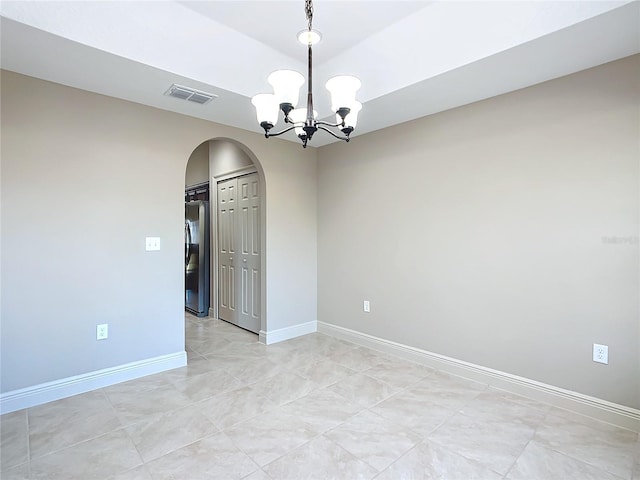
pixel 309 408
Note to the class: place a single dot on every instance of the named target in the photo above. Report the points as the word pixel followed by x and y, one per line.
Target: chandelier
pixel 286 90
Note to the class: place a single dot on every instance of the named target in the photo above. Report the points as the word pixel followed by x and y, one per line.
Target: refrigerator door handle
pixel 187 243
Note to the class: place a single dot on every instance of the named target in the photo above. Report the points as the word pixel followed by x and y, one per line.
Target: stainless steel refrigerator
pixel 196 258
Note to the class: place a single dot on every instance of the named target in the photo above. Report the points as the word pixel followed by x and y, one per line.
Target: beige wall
pixel 84 179
pixel 198 166
pixel 226 157
pixel 486 233
pixel 218 156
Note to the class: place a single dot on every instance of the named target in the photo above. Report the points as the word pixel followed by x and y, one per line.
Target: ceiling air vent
pixel 189 94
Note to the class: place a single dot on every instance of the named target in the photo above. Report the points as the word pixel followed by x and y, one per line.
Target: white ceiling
pixel 414 58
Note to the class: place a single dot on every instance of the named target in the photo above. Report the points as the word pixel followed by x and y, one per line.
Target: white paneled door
pixel 239 251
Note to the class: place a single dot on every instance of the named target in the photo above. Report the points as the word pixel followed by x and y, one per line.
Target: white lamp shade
pixel 352 118
pixel 266 107
pixel 343 90
pixel 299 115
pixel 286 85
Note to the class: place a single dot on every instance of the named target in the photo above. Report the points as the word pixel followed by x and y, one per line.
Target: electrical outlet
pixel 102 331
pixel 366 306
pixel 601 353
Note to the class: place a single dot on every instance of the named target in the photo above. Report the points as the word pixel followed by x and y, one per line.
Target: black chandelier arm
pixel 268 134
pixel 322 122
pixel 346 139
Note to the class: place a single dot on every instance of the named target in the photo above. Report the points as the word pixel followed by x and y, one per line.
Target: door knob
pixel 231 259
pixel 244 260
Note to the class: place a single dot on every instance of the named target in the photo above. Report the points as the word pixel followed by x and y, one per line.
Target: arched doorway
pixel 235 185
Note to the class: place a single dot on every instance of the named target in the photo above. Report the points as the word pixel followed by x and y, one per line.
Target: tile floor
pixel 310 408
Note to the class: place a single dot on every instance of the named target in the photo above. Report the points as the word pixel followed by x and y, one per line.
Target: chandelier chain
pixel 308 8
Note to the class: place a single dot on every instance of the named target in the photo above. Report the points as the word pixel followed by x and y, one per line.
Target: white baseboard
pixel 287 333
pixel 599 409
pixel 66 387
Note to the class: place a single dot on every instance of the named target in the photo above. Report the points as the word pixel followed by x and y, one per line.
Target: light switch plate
pixel 152 244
